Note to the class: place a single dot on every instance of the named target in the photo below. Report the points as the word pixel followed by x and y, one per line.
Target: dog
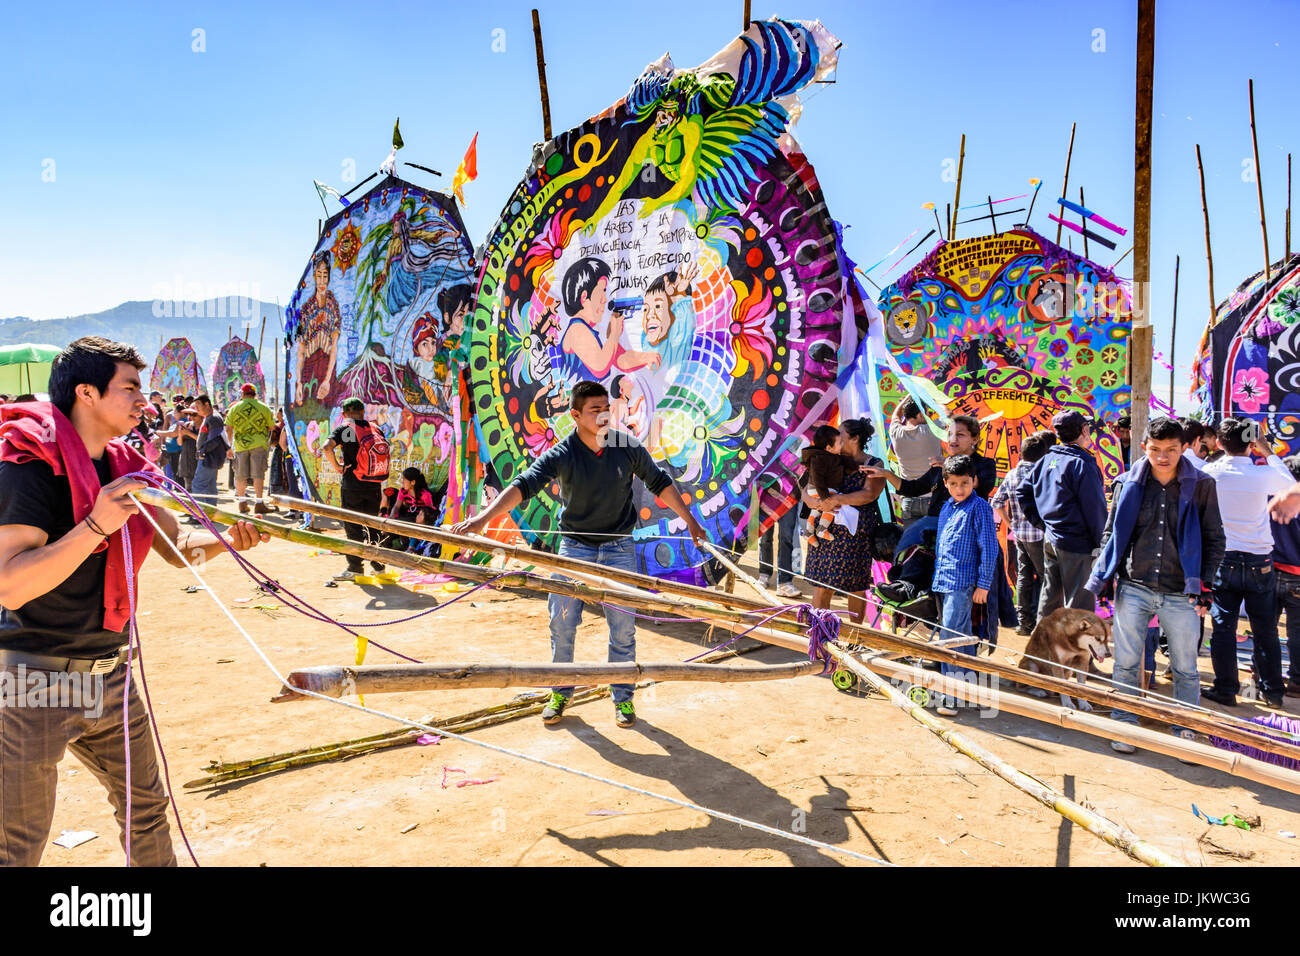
pixel 1069 638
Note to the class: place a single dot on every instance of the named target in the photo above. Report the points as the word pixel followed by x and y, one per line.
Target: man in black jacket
pixel 1066 497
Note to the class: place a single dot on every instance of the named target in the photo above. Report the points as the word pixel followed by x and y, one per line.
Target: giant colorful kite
pixel 236 363
pixel 176 370
pixel 1249 362
pixel 379 315
pixel 676 248
pixel 1012 329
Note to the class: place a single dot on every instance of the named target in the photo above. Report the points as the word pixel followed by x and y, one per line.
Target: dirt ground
pixel 798 755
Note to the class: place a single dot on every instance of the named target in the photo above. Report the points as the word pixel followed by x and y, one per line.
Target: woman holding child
pixel 842 562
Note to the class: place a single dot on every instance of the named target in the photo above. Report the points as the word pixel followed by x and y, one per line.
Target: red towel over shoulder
pixel 37 431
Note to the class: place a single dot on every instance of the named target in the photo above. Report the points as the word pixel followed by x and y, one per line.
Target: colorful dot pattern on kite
pixel 1013 328
pixel 676 248
pixel 176 370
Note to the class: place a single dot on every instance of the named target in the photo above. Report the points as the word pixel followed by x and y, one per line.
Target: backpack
pixel 372 453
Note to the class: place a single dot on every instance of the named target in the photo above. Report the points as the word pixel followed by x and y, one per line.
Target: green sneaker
pixel 554 708
pixel 624 714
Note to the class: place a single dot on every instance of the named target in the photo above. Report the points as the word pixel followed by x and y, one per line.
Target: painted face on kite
pixel 697 293
pixel 426 349
pixel 657 317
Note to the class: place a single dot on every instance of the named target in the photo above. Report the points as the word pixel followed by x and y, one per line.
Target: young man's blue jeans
pixel 204 483
pixel 566 612
pixel 1249 578
pixel 1134 607
pixel 786 531
pixel 955 618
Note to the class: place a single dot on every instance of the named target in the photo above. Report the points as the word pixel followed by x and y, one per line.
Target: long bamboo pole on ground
pixel 1093 822
pixel 1140 342
pixel 956 200
pixel 1065 183
pixel 348 681
pixel 1259 184
pixel 1227 761
pixel 676 597
pixel 1205 214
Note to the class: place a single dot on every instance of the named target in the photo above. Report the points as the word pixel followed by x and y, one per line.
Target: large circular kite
pixel 236 363
pixel 676 248
pixel 176 370
pixel 378 315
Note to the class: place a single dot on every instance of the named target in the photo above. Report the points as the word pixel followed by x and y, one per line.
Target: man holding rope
pixel 66 517
pixel 594 466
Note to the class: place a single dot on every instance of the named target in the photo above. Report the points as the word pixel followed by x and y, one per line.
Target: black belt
pixel 77 665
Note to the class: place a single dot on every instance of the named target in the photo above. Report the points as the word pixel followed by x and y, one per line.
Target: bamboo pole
pixel 746 16
pixel 340 681
pixel 714 610
pixel 1259 184
pixel 541 77
pixel 677 597
pixel 1084 204
pixel 1106 830
pixel 1140 342
pixel 1173 332
pixel 1065 183
pixel 1205 214
pixel 260 337
pixel 1206 755
pixel 1287 252
pixel 956 200
pixel 275 348
pixel 994 217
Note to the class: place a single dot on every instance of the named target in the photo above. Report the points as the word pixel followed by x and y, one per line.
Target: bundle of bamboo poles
pixel 642 592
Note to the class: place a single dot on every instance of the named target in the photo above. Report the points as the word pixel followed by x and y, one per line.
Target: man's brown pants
pixel 33 739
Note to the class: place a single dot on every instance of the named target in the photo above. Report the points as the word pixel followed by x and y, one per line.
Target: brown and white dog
pixel 1068 637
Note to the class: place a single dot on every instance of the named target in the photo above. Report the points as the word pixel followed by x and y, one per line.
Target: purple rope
pixel 823 629
pixel 1287 725
pixel 133 649
pixel 292 600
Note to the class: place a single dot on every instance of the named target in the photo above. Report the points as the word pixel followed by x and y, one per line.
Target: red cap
pixel 249 388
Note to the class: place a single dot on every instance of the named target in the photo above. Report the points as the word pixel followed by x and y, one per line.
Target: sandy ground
pixel 797 755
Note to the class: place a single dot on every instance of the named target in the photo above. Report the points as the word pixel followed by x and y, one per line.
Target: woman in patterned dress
pixel 844 562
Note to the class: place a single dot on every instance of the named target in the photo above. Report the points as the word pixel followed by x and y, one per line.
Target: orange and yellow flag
pixel 467 171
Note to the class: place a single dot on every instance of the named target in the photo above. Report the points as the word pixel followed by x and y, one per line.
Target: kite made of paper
pixel 236 363
pixel 176 370
pixel 677 249
pixel 378 315
pixel 1012 328
pixel 1249 363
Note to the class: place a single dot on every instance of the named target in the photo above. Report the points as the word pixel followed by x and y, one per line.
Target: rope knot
pixel 823 629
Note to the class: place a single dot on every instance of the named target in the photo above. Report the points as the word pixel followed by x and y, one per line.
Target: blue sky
pixel 171 165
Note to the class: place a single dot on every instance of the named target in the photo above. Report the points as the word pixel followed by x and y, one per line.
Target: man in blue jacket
pixel 1065 496
pixel 1163 538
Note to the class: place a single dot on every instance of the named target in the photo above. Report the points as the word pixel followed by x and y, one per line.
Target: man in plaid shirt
pixel 1028 537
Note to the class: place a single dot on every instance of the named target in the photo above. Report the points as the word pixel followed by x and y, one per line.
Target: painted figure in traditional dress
pixel 319 324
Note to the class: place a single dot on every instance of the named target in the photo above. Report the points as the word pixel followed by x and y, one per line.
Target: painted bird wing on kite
pixel 735 142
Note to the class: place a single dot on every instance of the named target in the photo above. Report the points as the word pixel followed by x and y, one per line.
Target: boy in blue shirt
pixel 967 548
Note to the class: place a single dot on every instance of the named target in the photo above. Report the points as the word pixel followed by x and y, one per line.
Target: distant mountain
pixel 147 325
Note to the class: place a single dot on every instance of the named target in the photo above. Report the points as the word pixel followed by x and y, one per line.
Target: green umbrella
pixel 25 368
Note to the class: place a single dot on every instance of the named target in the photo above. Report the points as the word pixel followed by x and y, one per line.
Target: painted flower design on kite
pixel 1250 389
pixel 1286 307
pixel 1109 378
pixel 1059 347
pixel 752 335
pixel 1066 364
pixel 550 244
pixel 1085 356
pixel 719 231
pixel 346 247
pixel 1110 355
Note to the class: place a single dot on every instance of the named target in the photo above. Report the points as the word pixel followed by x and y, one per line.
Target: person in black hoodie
pixel 1066 497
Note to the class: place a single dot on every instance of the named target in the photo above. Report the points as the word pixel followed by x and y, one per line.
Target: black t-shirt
pixel 212 441
pixel 345 436
pixel 68 620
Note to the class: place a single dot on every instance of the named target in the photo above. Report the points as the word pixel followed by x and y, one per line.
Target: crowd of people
pixel 1198 523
